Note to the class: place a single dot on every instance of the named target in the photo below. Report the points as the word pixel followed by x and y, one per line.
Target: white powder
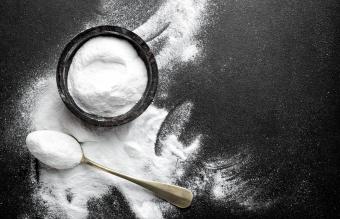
pixel 217 179
pixel 177 22
pixel 175 26
pixel 54 149
pixel 128 148
pixel 107 77
pixel 131 147
pixel 172 32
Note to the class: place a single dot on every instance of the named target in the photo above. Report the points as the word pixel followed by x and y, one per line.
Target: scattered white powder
pixel 107 77
pixel 128 148
pixel 172 32
pixel 175 25
pixel 131 147
pixel 54 149
pixel 190 53
pixel 176 22
pixel 222 178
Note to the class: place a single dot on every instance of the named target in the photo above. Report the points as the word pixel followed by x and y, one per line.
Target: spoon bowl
pixel 40 145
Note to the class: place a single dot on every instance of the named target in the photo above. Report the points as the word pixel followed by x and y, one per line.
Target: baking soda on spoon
pixel 55 149
pixel 59 158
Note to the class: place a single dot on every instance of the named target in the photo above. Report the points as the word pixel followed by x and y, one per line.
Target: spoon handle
pixel 178 196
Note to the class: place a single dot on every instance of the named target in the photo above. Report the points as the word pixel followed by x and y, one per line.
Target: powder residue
pixel 171 33
pixel 174 26
pixel 178 21
pixel 128 149
pixel 107 77
pixel 131 150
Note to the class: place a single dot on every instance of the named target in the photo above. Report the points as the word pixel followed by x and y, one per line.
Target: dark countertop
pixel 268 84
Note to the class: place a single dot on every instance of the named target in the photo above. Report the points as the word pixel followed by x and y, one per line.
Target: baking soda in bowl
pixel 107 77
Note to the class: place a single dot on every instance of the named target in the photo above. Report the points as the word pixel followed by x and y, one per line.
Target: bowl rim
pixel 143 51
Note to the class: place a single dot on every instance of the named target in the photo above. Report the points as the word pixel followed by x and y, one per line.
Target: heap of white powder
pixel 54 149
pixel 107 77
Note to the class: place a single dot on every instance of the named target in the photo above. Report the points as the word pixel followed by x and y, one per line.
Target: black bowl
pixel 143 51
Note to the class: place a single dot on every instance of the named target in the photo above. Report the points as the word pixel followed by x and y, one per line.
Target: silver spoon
pixel 47 146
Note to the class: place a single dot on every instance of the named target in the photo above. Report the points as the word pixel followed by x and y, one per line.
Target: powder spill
pixel 171 32
pixel 134 146
pixel 180 21
pixel 107 77
pixel 128 149
pixel 176 24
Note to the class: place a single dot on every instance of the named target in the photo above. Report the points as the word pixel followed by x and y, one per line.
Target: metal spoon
pixel 43 145
pixel 178 196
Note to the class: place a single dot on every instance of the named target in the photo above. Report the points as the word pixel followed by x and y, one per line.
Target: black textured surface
pixel 269 82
